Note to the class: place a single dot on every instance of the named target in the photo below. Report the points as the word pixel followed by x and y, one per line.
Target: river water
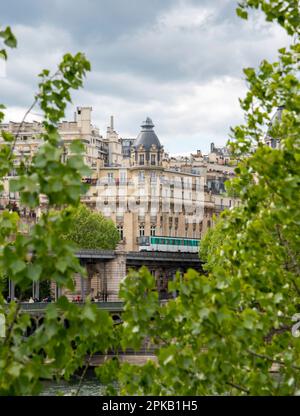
pixel 90 387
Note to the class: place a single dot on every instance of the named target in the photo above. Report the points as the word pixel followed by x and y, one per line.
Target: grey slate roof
pixel 147 136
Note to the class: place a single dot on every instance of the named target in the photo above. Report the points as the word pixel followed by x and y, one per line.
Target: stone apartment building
pixel 96 146
pixel 134 182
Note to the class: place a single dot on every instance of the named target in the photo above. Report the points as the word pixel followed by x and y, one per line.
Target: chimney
pixel 111 123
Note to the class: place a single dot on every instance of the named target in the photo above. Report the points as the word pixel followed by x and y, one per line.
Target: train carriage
pixel 169 244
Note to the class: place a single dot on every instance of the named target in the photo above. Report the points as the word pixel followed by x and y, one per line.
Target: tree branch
pixel 83 374
pixel 236 386
pixel 272 360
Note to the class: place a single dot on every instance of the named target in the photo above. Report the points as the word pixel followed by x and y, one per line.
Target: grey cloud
pixel 179 61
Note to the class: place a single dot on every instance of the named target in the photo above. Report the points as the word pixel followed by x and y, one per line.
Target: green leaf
pixel 242 13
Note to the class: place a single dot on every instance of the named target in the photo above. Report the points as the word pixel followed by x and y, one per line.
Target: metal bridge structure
pixel 108 267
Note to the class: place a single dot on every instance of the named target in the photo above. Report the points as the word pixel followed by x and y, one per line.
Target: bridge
pixel 150 257
pixel 138 258
pixel 39 307
pixel 106 269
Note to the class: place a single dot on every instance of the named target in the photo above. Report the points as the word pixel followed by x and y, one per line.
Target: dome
pixel 147 136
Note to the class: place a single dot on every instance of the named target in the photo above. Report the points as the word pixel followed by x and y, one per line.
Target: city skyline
pixel 147 60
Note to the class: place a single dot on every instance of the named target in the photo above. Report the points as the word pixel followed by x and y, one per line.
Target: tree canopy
pixel 229 331
pixel 91 230
pixel 53 350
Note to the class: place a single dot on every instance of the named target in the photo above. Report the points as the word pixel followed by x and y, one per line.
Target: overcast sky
pixel 177 61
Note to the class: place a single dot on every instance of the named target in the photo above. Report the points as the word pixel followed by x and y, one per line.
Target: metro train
pixel 169 244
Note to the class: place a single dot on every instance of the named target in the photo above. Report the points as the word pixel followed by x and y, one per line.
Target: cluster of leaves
pixel 9 40
pixel 57 348
pixel 285 12
pixel 228 331
pixel 68 332
pixel 91 230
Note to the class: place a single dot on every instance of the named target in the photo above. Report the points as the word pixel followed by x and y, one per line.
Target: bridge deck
pixel 41 306
pixel 158 256
pixel 163 256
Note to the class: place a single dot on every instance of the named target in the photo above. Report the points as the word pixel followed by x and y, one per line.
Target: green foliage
pixel 9 40
pixel 209 244
pixel 284 12
pixel 91 230
pixel 56 349
pixel 60 345
pixel 227 330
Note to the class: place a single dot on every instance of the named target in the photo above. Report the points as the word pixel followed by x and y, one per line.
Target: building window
pixel 141 176
pixel 152 230
pixel 153 159
pixel 142 230
pixel 186 229
pixel 142 159
pixel 153 177
pixel 110 177
pixel 121 232
pixel 123 177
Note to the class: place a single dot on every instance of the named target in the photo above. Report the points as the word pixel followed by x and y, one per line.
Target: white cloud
pixel 184 16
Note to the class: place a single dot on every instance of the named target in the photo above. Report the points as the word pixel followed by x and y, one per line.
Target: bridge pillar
pixel 57 292
pixel 114 272
pixel 82 288
pixel 36 290
pixel 11 289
